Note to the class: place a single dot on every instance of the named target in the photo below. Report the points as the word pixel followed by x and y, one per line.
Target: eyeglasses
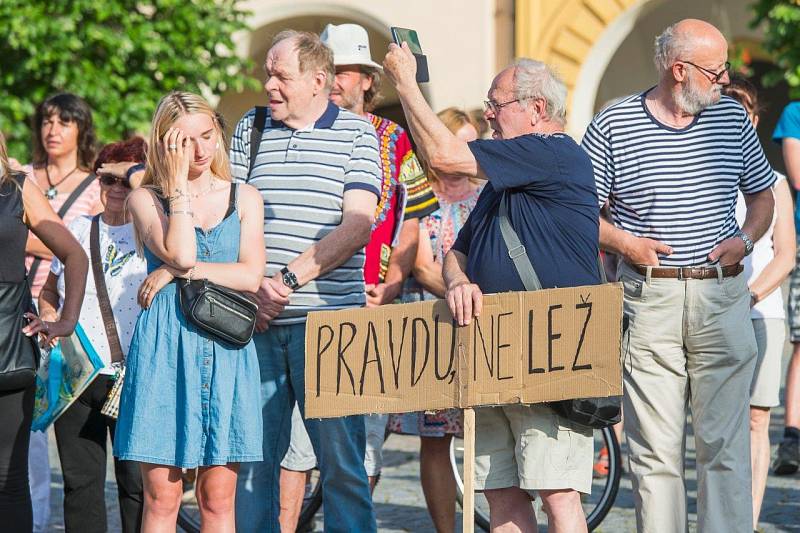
pixel 715 76
pixel 109 180
pixel 491 105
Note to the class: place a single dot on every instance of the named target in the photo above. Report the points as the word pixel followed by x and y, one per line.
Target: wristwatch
pixel 133 170
pixel 748 242
pixel 289 279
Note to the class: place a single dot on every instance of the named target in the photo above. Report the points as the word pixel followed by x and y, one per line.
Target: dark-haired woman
pixel 23 207
pixel 82 431
pixel 63 153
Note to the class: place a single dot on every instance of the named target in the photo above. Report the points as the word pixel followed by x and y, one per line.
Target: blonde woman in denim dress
pixel 189 400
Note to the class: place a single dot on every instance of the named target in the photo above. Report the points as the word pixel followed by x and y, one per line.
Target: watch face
pixel 290 280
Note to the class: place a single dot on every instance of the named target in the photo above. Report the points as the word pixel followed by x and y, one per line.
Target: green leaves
pixel 122 56
pixel 781 22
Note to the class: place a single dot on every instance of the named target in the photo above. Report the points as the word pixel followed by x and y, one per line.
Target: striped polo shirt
pixel 677 186
pixel 302 175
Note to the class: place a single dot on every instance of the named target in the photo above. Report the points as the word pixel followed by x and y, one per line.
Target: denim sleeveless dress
pixel 189 400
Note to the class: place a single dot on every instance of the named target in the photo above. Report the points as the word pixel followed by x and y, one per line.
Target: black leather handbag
pixel 596 413
pixel 19 354
pixel 224 313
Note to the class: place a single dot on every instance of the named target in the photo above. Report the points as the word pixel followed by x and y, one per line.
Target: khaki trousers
pixel 691 343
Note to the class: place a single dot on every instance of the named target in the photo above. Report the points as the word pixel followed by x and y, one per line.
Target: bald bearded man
pixel 670 160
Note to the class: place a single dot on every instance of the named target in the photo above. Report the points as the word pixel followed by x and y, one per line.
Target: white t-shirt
pixel 754 264
pixel 124 272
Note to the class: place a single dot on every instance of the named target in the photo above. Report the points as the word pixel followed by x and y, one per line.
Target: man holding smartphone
pixel 546 180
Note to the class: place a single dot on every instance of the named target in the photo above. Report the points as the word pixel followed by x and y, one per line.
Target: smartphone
pixel 401 35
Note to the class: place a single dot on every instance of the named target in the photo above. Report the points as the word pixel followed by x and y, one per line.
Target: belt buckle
pixel 681 277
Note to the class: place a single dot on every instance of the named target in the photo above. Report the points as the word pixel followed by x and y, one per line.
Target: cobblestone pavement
pixel 400 504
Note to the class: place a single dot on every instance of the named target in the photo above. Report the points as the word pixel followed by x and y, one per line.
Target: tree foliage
pixel 120 55
pixel 781 20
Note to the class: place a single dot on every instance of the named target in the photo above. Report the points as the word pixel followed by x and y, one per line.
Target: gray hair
pixel 669 46
pixel 312 54
pixel 534 79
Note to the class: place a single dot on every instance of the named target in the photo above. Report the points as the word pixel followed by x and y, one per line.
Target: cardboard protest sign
pixel 526 347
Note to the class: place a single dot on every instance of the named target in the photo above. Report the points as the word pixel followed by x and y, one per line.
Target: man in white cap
pixel 392 248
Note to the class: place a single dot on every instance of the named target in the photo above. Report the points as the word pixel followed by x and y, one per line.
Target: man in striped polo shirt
pixel 318 168
pixel 669 161
pixel 406 197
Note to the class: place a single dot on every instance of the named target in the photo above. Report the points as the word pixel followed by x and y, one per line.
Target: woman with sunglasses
pixel 81 431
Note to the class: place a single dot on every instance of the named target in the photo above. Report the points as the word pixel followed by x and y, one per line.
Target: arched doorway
pixel 621 61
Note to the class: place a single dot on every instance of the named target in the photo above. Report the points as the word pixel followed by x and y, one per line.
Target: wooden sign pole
pixel 468 506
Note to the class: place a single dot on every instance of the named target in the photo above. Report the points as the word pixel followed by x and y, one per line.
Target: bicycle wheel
pixel 189 513
pixel 312 501
pixel 596 505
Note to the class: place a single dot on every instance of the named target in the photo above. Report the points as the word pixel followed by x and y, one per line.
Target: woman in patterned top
pixel 457 197
pixel 82 430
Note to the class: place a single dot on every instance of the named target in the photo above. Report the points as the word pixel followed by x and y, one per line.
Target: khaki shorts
pixel 530 447
pixel 770 334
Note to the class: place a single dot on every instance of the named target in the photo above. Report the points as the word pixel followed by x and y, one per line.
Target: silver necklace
pixel 203 193
pixel 52 192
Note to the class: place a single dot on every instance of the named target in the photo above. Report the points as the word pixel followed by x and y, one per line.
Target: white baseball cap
pixel 350 45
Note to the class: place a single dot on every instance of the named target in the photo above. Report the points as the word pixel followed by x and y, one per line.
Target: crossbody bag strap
pixel 516 250
pixel 102 292
pixel 61 212
pixel 518 254
pixel 256 132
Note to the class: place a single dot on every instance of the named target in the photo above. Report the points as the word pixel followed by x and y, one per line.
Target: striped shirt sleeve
pixel 596 144
pixel 758 174
pixel 240 148
pixel 363 170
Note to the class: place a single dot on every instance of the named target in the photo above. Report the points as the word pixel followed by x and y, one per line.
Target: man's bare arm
pixel 442 150
pixel 342 243
pixel 401 261
pixel 759 216
pixel 635 250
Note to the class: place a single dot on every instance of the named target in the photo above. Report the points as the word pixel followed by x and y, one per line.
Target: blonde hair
pixel 170 109
pixel 6 172
pixel 455 119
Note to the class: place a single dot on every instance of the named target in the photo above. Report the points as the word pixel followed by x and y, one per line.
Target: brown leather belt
pixel 689 272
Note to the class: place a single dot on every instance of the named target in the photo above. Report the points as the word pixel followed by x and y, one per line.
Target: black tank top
pixel 13 231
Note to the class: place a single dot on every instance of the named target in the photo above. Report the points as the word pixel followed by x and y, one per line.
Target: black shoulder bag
pixel 596 413
pixel 226 314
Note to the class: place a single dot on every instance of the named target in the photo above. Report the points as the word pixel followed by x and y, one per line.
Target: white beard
pixel 693 101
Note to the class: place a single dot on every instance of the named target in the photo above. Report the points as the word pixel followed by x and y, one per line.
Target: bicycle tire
pixel 311 505
pixel 595 517
pixel 187 522
pixel 188 519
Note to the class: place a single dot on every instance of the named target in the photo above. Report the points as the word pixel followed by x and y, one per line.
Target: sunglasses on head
pixel 109 180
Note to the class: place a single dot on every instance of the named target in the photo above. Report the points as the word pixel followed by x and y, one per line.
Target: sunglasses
pixel 109 180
